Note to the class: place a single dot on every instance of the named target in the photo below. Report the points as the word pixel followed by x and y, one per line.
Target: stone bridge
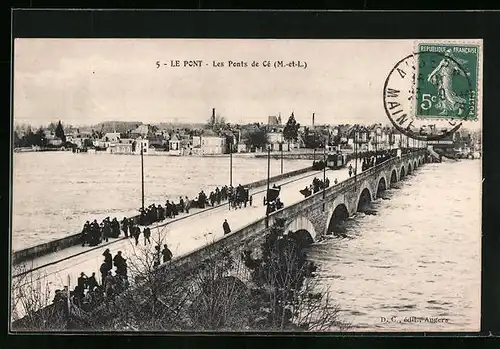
pixel 321 212
pixel 311 217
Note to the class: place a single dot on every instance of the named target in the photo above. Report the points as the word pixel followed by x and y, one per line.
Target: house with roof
pixel 209 143
pixel 52 139
pixel 174 145
pixel 140 143
pixel 273 120
pixel 276 141
pixel 111 137
pixel 122 146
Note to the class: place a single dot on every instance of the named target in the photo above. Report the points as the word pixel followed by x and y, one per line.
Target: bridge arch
pixel 303 228
pixel 394 178
pixel 402 173
pixel 415 165
pixel 339 215
pixel 302 236
pixel 381 186
pixel 410 169
pixel 364 199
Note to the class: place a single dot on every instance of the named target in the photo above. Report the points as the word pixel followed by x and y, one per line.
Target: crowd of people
pixel 89 293
pixel 316 185
pixel 95 233
pixel 378 158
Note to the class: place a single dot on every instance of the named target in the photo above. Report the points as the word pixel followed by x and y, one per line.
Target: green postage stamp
pixel 447 81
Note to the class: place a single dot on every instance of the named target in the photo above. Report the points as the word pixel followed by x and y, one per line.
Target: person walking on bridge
pixel 156 262
pixel 147 235
pixel 106 231
pixel 187 205
pixel 135 231
pixel 86 232
pixel 104 272
pixel 120 265
pixel 350 170
pixel 92 282
pixel 181 204
pixel 167 254
pixel 108 259
pixel 225 227
pixel 125 226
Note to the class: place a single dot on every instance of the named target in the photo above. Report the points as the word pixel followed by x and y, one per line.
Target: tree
pixel 29 138
pixel 59 132
pixel 291 130
pixel 17 140
pixel 32 305
pixel 257 138
pixel 311 140
pixel 39 138
pixel 52 127
pixel 218 124
pixel 289 294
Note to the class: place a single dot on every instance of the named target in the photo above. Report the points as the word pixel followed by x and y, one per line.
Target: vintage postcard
pixel 246 185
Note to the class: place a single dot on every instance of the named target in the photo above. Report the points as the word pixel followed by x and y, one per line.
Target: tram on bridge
pixel 336 160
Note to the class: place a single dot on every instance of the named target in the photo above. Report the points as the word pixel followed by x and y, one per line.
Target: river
pixel 419 255
pixel 54 193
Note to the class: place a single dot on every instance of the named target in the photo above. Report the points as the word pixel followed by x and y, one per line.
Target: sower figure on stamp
pixel 442 77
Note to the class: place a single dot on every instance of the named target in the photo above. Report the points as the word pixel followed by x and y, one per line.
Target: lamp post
pixel 324 169
pixel 268 177
pixel 355 153
pixel 378 132
pixel 142 176
pixel 281 148
pixel 231 165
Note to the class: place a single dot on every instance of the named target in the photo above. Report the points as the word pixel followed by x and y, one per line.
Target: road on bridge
pixel 182 236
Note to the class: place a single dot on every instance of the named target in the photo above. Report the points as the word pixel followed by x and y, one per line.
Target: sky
pixel 87 81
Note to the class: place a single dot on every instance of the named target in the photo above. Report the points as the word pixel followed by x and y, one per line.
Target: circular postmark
pixel 427 95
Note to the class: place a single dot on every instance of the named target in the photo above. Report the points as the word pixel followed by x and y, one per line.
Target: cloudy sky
pixel 86 81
